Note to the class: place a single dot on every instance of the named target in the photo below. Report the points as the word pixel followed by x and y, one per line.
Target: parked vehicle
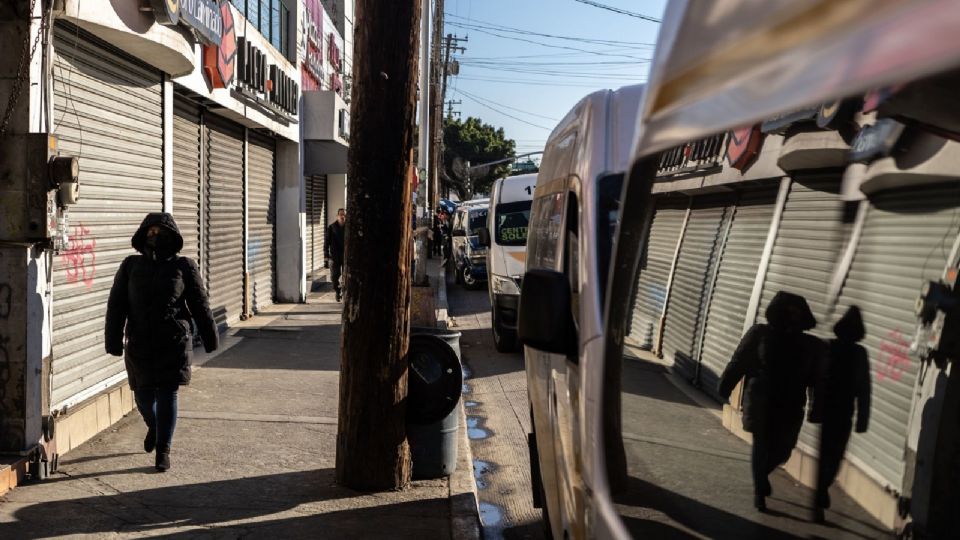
pixel 713 71
pixel 469 256
pixel 506 238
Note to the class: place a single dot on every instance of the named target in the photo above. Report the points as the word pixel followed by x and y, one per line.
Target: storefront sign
pixel 875 141
pixel 314 22
pixel 219 61
pixel 202 16
pixel 313 43
pixel 334 52
pixel 266 83
pixel 743 146
pixel 779 124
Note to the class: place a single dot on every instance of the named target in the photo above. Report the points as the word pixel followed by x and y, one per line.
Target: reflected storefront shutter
pixel 261 249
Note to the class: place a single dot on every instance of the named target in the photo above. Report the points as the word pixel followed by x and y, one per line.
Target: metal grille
pixel 906 238
pixel 262 207
pixel 187 181
pixel 107 111
pixel 734 283
pixel 689 290
pixel 224 219
pixel 316 220
pixel 651 288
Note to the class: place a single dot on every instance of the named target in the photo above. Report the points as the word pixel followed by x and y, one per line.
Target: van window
pixel 458 221
pixel 544 245
pixel 511 223
pixel 608 216
pixel 572 262
pixel 478 220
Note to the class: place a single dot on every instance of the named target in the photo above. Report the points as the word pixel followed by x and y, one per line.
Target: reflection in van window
pixel 478 220
pixel 608 215
pixel 544 245
pixel 511 225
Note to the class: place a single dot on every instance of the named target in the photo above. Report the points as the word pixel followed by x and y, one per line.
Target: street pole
pixel 372 449
pixel 435 123
pixel 423 161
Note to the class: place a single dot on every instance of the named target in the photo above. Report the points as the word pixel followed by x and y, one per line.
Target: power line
pixel 618 10
pixel 521 31
pixel 475 97
pixel 554 73
pixel 473 62
pixel 498 111
pixel 532 82
pixel 554 46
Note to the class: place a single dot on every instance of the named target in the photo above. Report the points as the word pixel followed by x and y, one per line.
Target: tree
pixel 472 140
pixel 372 449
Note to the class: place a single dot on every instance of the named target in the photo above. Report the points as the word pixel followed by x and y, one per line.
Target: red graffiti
pixel 80 258
pixel 894 358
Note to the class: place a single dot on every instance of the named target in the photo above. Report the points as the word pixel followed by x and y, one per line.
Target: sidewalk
pixel 253 456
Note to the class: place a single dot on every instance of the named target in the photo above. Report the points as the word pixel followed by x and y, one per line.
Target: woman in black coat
pixel 154 297
pixel 779 362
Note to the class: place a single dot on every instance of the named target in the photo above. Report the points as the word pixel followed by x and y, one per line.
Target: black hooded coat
pixel 154 297
pixel 779 362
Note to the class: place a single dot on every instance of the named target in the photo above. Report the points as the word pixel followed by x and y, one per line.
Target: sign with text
pixel 219 61
pixel 263 82
pixel 204 17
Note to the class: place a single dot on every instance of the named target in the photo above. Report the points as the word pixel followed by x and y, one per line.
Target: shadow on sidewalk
pixel 241 506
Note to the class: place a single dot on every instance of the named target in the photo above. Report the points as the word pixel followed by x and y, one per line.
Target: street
pixel 498 420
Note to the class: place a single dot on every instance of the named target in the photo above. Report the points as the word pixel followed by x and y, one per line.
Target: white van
pixel 506 235
pixel 573 217
pixel 714 70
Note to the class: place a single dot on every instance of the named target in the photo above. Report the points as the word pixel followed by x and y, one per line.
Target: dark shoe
pixel 760 503
pixel 818 516
pixel 150 441
pixel 339 297
pixel 163 461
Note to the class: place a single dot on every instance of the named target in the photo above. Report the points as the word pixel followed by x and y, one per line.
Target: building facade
pixel 193 108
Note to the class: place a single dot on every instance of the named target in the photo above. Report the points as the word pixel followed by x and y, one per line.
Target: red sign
pixel 743 146
pixel 220 62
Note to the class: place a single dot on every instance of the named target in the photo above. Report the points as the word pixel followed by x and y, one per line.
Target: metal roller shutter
pixel 107 111
pixel 906 238
pixel 262 208
pixel 316 219
pixel 224 219
pixel 187 181
pixel 308 200
pixel 651 288
pixel 808 247
pixel 734 284
pixel 689 289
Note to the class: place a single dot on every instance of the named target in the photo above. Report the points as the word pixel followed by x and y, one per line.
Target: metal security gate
pixel 907 236
pixel 107 111
pixel 261 250
pixel 808 247
pixel 223 236
pixel 689 290
pixel 316 195
pixel 651 288
pixel 187 177
pixel 734 283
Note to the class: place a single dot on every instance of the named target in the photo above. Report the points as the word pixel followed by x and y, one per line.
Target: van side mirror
pixel 483 234
pixel 546 320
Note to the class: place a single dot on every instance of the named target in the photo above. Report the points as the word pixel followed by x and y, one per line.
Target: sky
pixel 511 77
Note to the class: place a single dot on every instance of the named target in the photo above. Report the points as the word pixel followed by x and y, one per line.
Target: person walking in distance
pixel 154 297
pixel 778 362
pixel 847 380
pixel 334 248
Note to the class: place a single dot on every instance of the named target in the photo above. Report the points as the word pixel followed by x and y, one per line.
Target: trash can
pixel 433 393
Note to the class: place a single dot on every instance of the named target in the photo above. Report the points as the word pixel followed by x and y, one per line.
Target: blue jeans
pixel 158 407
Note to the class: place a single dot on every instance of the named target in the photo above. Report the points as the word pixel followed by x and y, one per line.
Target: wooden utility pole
pixel 436 102
pixel 372 449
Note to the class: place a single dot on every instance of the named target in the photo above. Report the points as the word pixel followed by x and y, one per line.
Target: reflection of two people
pixel 780 364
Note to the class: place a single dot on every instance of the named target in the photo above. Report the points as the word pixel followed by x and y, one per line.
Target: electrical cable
pixel 578 39
pixel 468 94
pixel 554 46
pixel 618 10
pixel 508 115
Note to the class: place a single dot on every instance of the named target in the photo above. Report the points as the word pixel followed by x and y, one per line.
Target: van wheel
pixel 504 340
pixel 537 491
pixel 468 281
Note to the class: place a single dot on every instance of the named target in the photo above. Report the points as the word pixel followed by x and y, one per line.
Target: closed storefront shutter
pixel 262 207
pixel 734 284
pixel 108 112
pixel 224 219
pixel 187 180
pixel 651 287
pixel 689 289
pixel 308 200
pixel 316 220
pixel 808 247
pixel 906 239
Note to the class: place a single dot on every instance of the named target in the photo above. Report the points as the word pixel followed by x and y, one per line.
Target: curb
pixel 464 509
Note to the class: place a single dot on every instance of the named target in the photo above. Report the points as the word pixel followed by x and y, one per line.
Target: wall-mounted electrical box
pixel 36 185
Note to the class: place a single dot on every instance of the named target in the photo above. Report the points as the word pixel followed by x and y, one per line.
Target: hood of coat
pixel 850 327
pixel 161 219
pixel 788 311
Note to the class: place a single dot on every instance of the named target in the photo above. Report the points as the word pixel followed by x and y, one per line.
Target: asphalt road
pixel 498 419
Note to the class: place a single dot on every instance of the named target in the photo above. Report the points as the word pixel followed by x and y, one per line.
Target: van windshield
pixel 511 224
pixel 478 220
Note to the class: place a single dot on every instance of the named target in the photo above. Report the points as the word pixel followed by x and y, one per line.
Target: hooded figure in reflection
pixel 847 380
pixel 778 362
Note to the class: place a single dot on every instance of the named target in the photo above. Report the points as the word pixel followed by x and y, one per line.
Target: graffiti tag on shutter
pixel 80 258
